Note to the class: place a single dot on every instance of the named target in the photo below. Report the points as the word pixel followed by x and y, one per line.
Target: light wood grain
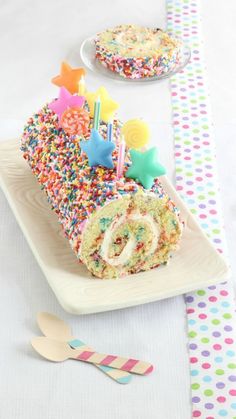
pixel 55 328
pixel 196 264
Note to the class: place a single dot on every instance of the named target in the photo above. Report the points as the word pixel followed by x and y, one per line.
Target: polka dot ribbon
pixel 211 311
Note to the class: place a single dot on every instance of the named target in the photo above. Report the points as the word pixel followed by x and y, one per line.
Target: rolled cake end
pixel 131 234
pixel 136 52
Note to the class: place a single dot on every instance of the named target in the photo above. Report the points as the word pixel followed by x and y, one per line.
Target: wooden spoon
pixel 60 351
pixel 55 328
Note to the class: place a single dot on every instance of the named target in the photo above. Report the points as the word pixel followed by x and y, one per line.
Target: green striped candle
pixel 97 112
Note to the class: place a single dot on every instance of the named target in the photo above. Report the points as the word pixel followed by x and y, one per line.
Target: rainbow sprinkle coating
pixel 137 52
pixel 77 193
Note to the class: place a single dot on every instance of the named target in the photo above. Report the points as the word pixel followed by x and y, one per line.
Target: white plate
pixel 87 54
pixel 196 264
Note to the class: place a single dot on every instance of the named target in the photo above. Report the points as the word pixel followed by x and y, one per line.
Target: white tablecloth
pixel 35 37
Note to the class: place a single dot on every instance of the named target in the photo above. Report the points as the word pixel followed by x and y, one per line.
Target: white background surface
pixel 34 37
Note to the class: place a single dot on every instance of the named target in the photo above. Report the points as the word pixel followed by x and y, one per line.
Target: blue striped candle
pixel 110 131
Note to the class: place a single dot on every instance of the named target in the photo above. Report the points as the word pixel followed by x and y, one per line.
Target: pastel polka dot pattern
pixel 210 312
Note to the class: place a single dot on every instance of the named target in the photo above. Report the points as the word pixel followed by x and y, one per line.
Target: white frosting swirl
pixel 127 251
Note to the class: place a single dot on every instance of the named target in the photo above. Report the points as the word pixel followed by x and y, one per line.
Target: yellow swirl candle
pixel 136 133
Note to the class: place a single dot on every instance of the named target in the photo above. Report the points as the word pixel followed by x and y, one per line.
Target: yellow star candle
pixel 136 133
pixel 108 105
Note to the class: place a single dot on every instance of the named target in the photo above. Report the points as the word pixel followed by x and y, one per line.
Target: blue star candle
pixel 98 150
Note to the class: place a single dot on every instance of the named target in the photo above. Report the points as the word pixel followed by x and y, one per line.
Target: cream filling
pixel 138 41
pixel 132 41
pixel 131 243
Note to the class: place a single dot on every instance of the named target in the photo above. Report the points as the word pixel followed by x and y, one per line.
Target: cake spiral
pixel 137 237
